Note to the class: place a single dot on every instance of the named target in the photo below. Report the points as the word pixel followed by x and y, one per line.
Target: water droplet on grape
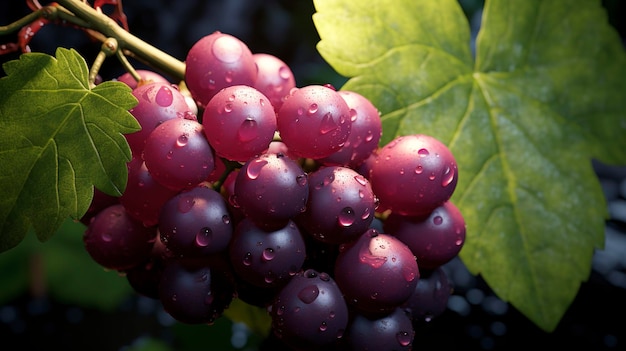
pixel 323 326
pixel 419 169
pixel 437 220
pixel 404 338
pixel 328 124
pixel 182 140
pixel 106 237
pixel 346 217
pixel 302 180
pixel 268 254
pixel 227 49
pixel 204 236
pixel 366 214
pixel 313 108
pixel 448 177
pixel 360 179
pixel 209 299
pixel 308 294
pixel 225 219
pixel 228 77
pixel 431 176
pixel 369 136
pixel 254 168
pixel 270 277
pixel 458 242
pixel 423 152
pixel 164 97
pixel 228 108
pixel 248 130
pixel 169 155
pixel 247 259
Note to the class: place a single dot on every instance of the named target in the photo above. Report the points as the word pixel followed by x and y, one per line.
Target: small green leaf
pixel 543 96
pixel 58 139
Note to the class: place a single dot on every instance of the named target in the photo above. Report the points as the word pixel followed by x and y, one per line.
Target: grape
pixel 274 78
pixel 116 241
pixel 216 61
pixel 314 121
pixel 309 312
pixel 239 122
pixel 413 174
pixel 376 273
pixel 156 103
pixel 266 258
pixel 144 196
pixel 340 206
pixel 271 189
pixel 434 239
pixel 195 222
pixel 147 76
pixel 196 291
pixel 431 295
pixel 391 332
pixel 178 155
pixel 365 133
pixel 99 201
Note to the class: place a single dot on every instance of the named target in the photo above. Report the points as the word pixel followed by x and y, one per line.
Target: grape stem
pixel 87 17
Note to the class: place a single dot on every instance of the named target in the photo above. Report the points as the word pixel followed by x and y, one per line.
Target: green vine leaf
pixel 59 139
pixel 524 116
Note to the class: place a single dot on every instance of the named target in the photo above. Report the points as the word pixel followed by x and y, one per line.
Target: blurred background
pixel 53 295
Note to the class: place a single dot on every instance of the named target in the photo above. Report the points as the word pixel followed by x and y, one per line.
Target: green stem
pixel 136 47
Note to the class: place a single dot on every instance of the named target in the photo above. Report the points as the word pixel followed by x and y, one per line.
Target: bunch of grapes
pixel 247 187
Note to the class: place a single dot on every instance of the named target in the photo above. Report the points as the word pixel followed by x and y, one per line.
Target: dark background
pixel 475 319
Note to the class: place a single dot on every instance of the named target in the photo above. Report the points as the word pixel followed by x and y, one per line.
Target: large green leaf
pixel 544 95
pixel 58 138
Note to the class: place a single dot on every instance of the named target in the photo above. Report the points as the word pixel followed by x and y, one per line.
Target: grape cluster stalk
pixel 245 186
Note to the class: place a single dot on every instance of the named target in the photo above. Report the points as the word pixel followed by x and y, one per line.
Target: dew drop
pixel 228 108
pixel 404 338
pixel 270 277
pixel 448 177
pixel 226 219
pixel 302 180
pixel 323 326
pixel 300 111
pixel 254 168
pixel 313 108
pixel 268 254
pixel 164 97
pixel 423 152
pixel 360 179
pixel 419 169
pixel 182 140
pixel 228 77
pixel 247 259
pixel 204 236
pixel 328 124
pixel 308 294
pixel 227 49
pixel 248 130
pixel 106 237
pixel 346 217
pixel 437 220
pixel 458 242
pixel 169 155
pixel 431 176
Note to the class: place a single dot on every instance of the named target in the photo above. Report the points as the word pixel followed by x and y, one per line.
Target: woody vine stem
pixel 116 40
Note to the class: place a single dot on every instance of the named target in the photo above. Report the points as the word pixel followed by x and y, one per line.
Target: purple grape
pixel 195 222
pixel 99 201
pixel 274 78
pixel 391 332
pixel 314 121
pixel 376 273
pixel 144 196
pixel 147 77
pixel 413 174
pixel 156 103
pixel 217 61
pixel 144 278
pixel 431 295
pixel 340 207
pixel 309 313
pixel 239 122
pixel 116 241
pixel 266 258
pixel 365 133
pixel 271 189
pixel 178 155
pixel 434 239
pixel 196 291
